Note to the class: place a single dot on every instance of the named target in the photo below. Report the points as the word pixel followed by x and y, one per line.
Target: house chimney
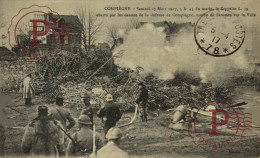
pixel 50 14
pixel 50 17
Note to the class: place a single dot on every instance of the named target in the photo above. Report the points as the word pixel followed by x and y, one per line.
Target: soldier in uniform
pixel 82 143
pixel 63 115
pixel 110 113
pixel 87 110
pixel 111 149
pixel 42 135
pixel 142 101
pixel 2 140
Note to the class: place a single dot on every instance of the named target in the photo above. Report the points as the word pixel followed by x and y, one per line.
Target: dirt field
pixel 141 139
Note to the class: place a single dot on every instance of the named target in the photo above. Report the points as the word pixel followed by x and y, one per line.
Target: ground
pixel 141 139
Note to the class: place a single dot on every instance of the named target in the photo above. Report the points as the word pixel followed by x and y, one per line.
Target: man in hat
pixel 58 112
pixel 111 149
pixel 142 100
pixel 87 110
pixel 42 135
pixel 110 113
pixel 82 143
pixel 28 90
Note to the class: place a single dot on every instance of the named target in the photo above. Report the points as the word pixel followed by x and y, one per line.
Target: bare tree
pixel 91 27
pixel 24 30
pixel 81 13
pixel 113 35
pixel 132 24
pixel 113 32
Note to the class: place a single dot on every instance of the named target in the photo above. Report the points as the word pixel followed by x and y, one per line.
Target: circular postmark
pixel 37 33
pixel 219 33
pixel 217 125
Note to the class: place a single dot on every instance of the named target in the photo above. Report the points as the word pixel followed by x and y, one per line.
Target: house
pixel 69 28
pixel 103 46
pixel 65 29
pixel 23 39
pixel 103 49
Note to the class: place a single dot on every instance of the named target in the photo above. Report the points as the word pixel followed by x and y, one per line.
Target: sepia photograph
pixel 130 79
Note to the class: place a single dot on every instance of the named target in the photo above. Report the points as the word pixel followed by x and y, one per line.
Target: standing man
pixel 63 115
pixel 142 100
pixel 87 110
pixel 258 81
pixel 2 140
pixel 41 135
pixel 28 89
pixel 109 113
pixel 111 149
pixel 82 143
pixel 58 112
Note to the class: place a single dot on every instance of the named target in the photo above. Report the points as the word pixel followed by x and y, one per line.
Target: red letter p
pixel 214 120
pixel 35 31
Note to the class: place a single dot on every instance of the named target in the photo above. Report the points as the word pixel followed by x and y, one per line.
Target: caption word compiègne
pixel 183 12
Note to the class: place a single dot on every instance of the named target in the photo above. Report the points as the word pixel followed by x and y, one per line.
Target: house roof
pixel 72 20
pixel 161 24
pixel 103 44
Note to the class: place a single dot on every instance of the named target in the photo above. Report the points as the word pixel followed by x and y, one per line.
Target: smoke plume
pixel 148 48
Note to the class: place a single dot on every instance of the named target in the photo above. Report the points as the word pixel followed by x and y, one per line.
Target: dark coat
pixel 142 97
pixel 63 115
pixel 87 110
pixel 84 138
pixel 110 112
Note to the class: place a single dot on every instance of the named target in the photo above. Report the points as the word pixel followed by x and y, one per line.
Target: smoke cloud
pixel 147 47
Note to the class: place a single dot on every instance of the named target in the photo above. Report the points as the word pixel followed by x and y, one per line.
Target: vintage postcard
pixel 131 78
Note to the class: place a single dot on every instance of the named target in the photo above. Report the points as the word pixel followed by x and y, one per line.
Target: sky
pixel 9 8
